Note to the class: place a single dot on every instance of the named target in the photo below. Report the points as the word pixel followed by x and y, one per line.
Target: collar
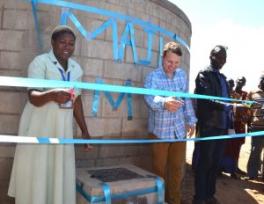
pixel 215 70
pixel 57 64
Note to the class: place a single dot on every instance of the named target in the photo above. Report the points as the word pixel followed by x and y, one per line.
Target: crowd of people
pixel 175 118
pixel 51 112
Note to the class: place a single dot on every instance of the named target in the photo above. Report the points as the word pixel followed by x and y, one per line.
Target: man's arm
pixel 159 103
pixel 156 103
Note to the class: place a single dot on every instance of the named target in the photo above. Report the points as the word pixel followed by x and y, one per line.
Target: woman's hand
pixel 87 147
pixel 40 98
pixel 61 96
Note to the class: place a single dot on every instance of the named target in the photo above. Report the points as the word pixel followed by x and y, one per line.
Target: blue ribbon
pixel 87 196
pixel 160 50
pixel 147 61
pixel 122 95
pixel 35 17
pixel 93 34
pixel 115 105
pixel 118 54
pixel 116 15
pixel 160 190
pixel 118 196
pixel 126 40
pixel 43 140
pixel 44 83
pixel 107 193
pixel 64 16
pixel 46 140
pixel 96 99
pixel 129 103
pixel 148 27
pixel 79 26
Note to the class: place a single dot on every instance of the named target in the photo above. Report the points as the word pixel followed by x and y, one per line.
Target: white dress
pixel 45 174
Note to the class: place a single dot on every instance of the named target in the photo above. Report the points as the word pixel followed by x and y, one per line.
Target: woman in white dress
pixel 45 174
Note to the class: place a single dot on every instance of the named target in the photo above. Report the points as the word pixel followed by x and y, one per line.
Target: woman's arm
pixel 40 98
pixel 79 117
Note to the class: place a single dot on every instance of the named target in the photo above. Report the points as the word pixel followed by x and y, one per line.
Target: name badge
pixel 67 105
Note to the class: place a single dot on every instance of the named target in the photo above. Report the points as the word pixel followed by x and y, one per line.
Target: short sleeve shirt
pixel 46 66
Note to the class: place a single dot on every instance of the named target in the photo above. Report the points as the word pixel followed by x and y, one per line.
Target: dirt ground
pixel 229 190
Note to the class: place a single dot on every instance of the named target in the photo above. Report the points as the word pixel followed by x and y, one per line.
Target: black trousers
pixel 210 154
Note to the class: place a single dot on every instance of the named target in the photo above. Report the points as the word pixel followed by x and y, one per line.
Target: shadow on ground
pixel 229 190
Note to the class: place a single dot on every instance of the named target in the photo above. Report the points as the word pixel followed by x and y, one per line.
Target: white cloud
pixel 245 50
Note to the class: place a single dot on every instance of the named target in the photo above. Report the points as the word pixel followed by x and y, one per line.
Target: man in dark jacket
pixel 213 119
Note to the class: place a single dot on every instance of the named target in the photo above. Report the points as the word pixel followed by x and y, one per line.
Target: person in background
pixel 44 174
pixel 231 85
pixel 256 123
pixel 169 118
pixel 233 146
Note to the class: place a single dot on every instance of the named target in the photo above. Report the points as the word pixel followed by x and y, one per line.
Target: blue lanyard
pixel 63 76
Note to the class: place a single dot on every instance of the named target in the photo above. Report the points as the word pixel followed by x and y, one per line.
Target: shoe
pixel 212 200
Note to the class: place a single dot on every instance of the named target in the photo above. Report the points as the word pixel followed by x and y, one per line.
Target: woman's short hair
pixel 61 29
pixel 172 47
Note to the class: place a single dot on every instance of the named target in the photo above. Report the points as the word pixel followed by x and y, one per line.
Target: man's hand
pixel 173 105
pixel 190 130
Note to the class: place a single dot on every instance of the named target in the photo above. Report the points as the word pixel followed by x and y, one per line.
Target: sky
pixel 237 24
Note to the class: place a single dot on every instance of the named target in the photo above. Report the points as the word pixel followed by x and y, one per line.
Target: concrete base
pixel 129 191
